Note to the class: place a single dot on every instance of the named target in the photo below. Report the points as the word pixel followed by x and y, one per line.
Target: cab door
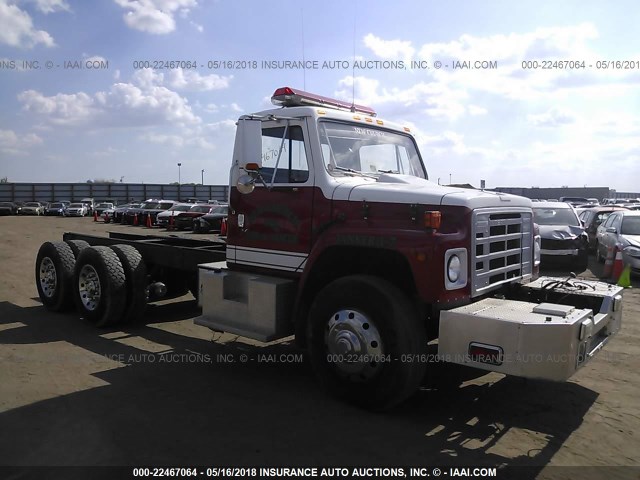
pixel 271 226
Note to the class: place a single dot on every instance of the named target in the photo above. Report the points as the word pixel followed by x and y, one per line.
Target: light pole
pixel 449 179
pixel 202 173
pixel 179 180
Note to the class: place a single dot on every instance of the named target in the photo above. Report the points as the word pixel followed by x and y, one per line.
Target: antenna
pixel 353 67
pixel 304 65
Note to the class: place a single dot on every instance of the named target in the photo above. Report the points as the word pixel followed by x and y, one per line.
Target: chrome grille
pixel 501 247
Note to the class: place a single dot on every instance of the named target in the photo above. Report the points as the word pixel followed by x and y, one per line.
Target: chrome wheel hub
pixel 354 344
pixel 48 277
pixel 89 287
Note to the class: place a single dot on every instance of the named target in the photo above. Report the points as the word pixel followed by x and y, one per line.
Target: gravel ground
pixel 167 393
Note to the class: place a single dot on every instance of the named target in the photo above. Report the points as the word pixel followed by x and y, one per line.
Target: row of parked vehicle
pixel 570 233
pixel 200 217
pixel 84 207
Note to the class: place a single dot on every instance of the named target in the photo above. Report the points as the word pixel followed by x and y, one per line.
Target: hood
pixel 632 240
pixel 397 188
pixel 560 232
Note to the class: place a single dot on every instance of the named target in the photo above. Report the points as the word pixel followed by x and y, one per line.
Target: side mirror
pixel 612 230
pixel 251 143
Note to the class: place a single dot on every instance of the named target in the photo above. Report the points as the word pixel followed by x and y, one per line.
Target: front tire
pixel 54 276
pixel 99 286
pixel 366 342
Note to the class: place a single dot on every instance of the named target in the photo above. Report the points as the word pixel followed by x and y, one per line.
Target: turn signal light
pixel 432 219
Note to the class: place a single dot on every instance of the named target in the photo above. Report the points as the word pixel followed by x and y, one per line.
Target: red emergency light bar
pixel 291 97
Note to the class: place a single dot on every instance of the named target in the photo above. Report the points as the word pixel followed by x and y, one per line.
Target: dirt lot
pixel 162 394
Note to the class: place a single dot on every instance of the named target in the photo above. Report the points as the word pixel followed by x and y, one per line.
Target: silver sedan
pixel 621 230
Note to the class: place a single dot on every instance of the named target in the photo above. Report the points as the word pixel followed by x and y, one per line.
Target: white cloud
pixel 197 26
pixel 236 108
pixel 553 118
pixel 13 143
pixel 476 110
pixel 192 81
pixel 433 99
pixel 125 104
pixel 154 16
pixel 203 136
pixel 17 30
pixel 389 49
pixel 50 6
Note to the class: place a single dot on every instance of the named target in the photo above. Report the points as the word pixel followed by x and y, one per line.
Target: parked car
pixel 77 210
pixel 575 200
pixel 32 208
pixel 101 207
pixel 89 203
pixel 57 209
pixel 19 204
pixel 116 214
pixel 153 212
pixel 184 220
pixel 621 229
pixel 564 239
pixel 8 208
pixel 163 218
pixel 592 218
pixel 148 207
pixel 211 221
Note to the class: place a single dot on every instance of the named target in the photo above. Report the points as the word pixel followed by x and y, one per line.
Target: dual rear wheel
pixel 106 284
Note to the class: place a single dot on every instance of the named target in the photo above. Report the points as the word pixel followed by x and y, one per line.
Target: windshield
pixel 354 149
pixel 630 225
pixel 32 204
pixel 56 205
pixel 149 205
pixel 105 205
pixel 76 205
pixel 5 204
pixel 555 216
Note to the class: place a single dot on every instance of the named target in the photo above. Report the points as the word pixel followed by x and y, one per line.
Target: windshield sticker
pixel 367 131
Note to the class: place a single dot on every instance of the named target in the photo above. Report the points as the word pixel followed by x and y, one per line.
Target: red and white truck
pixel 336 235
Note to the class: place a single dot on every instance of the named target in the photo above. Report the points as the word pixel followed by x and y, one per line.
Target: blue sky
pixel 508 125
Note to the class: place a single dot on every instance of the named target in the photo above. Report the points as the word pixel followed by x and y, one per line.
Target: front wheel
pixel 366 342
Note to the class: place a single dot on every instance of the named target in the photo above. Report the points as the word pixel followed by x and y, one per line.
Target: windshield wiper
pixel 356 172
pixel 388 171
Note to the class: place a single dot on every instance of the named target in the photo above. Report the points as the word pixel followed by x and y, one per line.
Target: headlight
pixel 632 251
pixel 453 268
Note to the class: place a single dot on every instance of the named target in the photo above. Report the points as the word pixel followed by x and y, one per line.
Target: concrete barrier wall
pixel 121 192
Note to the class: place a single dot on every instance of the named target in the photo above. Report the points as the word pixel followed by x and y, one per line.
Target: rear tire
pixel 77 246
pixel 54 276
pixel 367 318
pixel 99 286
pixel 135 272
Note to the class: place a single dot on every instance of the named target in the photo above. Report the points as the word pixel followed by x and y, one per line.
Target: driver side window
pixel 286 160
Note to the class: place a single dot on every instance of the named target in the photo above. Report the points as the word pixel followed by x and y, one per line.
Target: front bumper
pixel 534 339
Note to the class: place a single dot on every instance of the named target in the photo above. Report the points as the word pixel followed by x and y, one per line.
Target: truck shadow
pixel 81 396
